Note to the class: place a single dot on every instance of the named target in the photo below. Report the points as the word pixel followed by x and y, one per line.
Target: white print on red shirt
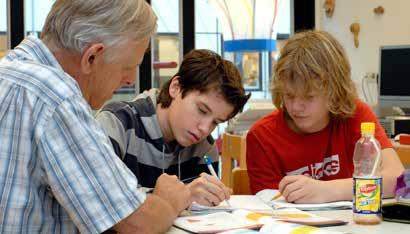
pixel 329 166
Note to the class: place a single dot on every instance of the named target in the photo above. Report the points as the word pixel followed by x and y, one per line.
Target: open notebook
pixel 265 200
pixel 245 202
pixel 268 196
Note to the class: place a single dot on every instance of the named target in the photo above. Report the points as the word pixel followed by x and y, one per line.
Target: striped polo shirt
pixel 58 172
pixel 137 138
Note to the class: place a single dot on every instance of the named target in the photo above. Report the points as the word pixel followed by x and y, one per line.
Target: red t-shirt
pixel 273 150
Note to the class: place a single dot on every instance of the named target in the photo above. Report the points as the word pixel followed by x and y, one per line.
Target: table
pixel 351 227
pixel 384 227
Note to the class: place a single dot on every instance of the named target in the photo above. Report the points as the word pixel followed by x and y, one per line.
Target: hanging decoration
pixel 378 10
pixel 329 7
pixel 248 25
pixel 355 29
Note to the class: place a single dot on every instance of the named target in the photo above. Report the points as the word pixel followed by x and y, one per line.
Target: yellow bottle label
pixel 367 195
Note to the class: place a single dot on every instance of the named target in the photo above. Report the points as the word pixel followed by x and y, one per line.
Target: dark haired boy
pixel 168 130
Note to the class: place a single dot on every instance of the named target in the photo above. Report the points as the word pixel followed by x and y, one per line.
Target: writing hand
pixel 208 190
pixel 173 191
pixel 303 189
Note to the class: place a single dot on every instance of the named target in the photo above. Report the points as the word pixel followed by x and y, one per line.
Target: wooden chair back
pixel 234 152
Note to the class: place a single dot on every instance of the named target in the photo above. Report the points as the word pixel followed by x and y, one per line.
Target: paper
pixel 291 215
pixel 240 231
pixel 215 222
pixel 246 202
pixel 281 227
pixel 245 221
pixel 266 196
pixel 262 201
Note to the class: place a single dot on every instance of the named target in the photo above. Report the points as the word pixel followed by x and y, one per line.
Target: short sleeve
pixel 365 114
pixel 263 174
pixel 85 175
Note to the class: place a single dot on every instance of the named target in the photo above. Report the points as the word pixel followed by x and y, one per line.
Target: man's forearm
pixel 155 215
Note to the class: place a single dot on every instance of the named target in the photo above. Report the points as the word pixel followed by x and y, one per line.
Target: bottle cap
pixel 367 127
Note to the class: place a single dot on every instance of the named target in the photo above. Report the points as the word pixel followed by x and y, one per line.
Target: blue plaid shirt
pixel 58 172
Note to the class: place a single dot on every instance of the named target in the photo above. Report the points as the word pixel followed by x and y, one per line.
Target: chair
pixel 234 150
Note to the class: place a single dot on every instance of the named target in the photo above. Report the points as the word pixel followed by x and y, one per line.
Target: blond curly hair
pixel 315 61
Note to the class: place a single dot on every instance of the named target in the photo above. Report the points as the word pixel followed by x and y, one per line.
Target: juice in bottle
pixel 367 180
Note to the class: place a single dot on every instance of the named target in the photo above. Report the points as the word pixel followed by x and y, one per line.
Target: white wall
pixel 391 28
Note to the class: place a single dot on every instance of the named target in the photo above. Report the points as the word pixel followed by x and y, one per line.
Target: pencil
pixel 277 195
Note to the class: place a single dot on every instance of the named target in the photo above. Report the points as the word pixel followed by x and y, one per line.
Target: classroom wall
pixel 390 28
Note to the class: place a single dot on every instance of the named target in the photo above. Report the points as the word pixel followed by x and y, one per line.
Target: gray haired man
pixel 58 172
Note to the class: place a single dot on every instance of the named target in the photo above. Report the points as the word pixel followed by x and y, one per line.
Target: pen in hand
pixel 212 171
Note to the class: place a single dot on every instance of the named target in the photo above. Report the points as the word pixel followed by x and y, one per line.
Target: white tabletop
pixel 382 228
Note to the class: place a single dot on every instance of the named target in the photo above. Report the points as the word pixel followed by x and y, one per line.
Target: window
pixel 35 12
pixel 3 28
pixel 166 49
pixel 166 44
pixel 208 34
pixel 255 67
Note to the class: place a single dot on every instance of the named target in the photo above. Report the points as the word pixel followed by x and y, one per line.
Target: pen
pixel 212 171
pixel 185 181
pixel 210 167
pixel 189 179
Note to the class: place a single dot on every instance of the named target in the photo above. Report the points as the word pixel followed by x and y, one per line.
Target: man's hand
pixel 160 209
pixel 303 189
pixel 208 190
pixel 173 191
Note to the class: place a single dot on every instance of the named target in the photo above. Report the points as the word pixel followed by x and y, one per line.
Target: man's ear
pixel 90 56
pixel 174 87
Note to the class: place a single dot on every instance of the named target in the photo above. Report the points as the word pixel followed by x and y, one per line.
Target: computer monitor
pixel 394 76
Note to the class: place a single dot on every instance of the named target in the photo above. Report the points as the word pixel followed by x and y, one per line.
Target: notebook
pixel 266 200
pixel 268 196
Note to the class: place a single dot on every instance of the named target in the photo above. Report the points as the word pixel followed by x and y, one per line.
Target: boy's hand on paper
pixel 303 189
pixel 173 191
pixel 208 190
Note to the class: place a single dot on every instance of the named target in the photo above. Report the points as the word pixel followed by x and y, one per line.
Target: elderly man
pixel 58 172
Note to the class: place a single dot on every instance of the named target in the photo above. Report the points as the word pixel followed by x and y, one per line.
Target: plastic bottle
pixel 367 180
